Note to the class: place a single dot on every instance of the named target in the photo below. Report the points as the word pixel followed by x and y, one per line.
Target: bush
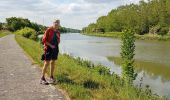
pixel 163 31
pixel 0 26
pixel 168 33
pixel 28 33
pixel 127 55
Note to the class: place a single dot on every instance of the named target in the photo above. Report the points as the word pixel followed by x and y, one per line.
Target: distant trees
pixel 0 26
pixel 141 17
pixel 69 30
pixel 14 24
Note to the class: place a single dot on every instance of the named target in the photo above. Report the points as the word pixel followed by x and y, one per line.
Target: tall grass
pixel 4 33
pixel 83 80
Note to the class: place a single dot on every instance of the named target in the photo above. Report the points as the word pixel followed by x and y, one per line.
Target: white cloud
pixel 99 1
pixel 73 13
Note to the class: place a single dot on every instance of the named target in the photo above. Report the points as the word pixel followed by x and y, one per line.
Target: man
pixel 51 40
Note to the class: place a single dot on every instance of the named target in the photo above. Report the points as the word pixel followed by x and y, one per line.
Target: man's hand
pixel 52 46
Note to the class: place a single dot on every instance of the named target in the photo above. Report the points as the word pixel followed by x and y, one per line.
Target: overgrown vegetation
pixel 152 16
pixel 28 33
pixel 83 80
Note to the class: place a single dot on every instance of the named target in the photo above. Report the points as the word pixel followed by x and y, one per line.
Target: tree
pixel 14 23
pixel 127 55
pixel 35 26
pixel 141 17
pixel 0 26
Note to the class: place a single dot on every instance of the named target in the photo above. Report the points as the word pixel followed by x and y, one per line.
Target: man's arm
pixel 44 39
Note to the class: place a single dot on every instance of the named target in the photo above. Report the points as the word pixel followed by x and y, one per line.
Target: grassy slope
pixel 4 33
pixel 140 37
pixel 82 81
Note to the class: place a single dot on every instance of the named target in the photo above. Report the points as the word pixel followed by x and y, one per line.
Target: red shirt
pixel 48 36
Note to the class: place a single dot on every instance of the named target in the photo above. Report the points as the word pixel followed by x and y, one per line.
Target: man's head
pixel 56 24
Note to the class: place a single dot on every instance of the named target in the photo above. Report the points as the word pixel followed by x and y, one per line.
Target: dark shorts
pixel 50 54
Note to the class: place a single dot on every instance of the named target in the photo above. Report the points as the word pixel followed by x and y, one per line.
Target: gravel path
pixel 19 78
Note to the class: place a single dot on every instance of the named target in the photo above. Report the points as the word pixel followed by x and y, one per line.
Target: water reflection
pixel 154 70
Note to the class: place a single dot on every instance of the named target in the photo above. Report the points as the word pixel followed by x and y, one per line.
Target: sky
pixel 72 13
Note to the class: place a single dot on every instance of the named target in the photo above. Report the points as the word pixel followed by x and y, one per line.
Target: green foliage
pixel 4 33
pixel 68 30
pixel 28 33
pixel 17 23
pixel 0 26
pixel 14 24
pixel 37 27
pixel 127 55
pixel 163 31
pixel 90 28
pixel 141 17
pixel 84 62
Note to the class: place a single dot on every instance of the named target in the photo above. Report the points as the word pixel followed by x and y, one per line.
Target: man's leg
pixel 52 67
pixel 43 80
pixel 46 64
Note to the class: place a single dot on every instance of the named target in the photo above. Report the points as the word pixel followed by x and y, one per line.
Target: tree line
pixel 16 23
pixel 152 16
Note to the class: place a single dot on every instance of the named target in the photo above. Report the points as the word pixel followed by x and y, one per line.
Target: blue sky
pixel 72 13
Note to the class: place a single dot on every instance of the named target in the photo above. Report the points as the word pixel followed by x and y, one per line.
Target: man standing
pixel 51 40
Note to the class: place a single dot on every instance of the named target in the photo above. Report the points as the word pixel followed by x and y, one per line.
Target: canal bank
pixel 153 57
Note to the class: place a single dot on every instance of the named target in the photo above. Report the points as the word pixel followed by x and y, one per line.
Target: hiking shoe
pixel 52 81
pixel 43 82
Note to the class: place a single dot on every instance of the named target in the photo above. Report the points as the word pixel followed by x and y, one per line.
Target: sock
pixel 43 78
pixel 51 77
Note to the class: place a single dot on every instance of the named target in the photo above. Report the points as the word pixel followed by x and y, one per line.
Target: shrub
pixel 103 70
pixel 163 31
pixel 0 26
pixel 28 33
pixel 127 55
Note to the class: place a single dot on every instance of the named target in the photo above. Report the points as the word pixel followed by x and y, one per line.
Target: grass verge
pixel 4 33
pixel 139 37
pixel 82 80
pixel 107 34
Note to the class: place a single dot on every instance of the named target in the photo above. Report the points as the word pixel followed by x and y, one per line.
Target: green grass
pixel 84 81
pixel 153 37
pixel 139 37
pixel 107 34
pixel 4 33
